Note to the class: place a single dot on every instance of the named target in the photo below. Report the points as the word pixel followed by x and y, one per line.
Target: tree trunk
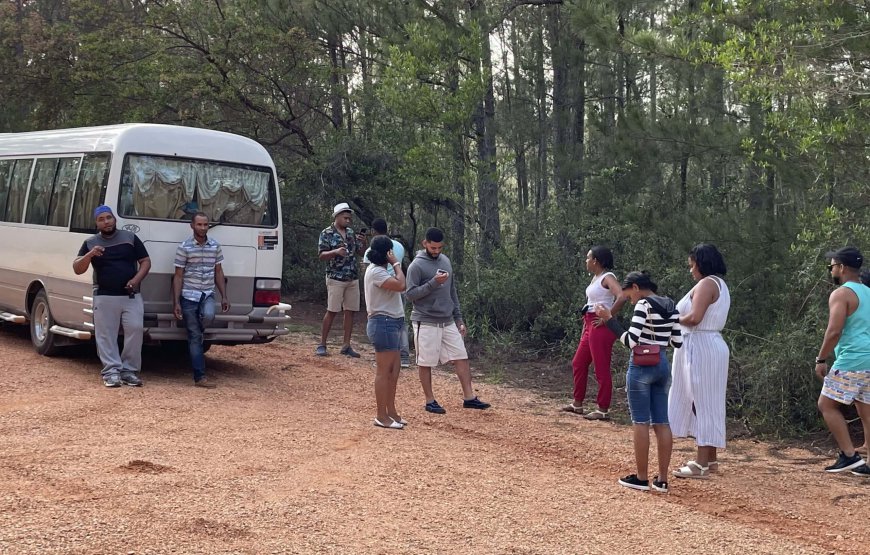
pixel 347 107
pixel 335 83
pixel 653 77
pixel 561 114
pixel 542 177
pixel 484 125
pixel 366 85
pixel 520 164
pixel 579 139
pixel 621 64
pixel 755 171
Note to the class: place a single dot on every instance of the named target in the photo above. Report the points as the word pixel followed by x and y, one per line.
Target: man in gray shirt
pixel 437 320
pixel 120 263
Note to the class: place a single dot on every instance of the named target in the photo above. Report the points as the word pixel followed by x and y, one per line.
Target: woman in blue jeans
pixel 386 319
pixel 655 322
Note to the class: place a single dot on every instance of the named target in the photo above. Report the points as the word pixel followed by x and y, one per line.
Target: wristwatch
pixel 820 360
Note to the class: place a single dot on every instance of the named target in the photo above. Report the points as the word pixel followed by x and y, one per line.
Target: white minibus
pixel 155 177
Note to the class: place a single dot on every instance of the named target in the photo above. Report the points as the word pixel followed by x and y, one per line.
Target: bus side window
pixel 90 191
pixel 40 191
pixel 17 190
pixel 61 198
pixel 5 174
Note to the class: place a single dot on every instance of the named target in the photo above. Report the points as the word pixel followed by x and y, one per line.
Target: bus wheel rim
pixel 40 322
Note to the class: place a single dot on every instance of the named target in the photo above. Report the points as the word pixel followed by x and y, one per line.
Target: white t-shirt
pixel 378 299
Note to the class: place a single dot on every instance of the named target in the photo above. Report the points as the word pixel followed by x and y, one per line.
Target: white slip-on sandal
pixel 393 425
pixel 693 470
pixel 596 414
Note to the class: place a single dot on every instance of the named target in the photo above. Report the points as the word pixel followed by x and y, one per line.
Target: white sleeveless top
pixel 717 313
pixel 597 294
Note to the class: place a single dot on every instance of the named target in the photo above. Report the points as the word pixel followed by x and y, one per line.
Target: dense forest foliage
pixel 528 129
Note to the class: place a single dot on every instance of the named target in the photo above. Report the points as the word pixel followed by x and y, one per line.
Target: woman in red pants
pixel 596 343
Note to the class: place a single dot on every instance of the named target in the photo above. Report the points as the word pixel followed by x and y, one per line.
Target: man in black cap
pixel 848 339
pixel 120 263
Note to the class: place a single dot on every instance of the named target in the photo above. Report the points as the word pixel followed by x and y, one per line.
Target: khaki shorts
pixel 847 386
pixel 342 295
pixel 438 344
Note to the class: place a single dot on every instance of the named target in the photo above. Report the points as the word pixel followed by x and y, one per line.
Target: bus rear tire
pixel 41 320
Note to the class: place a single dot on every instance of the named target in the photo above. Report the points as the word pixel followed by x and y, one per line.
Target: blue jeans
pixel 198 315
pixel 385 332
pixel 647 388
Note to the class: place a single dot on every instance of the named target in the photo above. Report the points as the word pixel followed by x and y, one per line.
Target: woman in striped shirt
pixel 655 322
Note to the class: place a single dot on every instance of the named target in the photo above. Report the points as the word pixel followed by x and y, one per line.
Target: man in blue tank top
pixel 848 339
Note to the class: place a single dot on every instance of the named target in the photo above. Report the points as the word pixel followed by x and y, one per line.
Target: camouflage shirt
pixel 341 268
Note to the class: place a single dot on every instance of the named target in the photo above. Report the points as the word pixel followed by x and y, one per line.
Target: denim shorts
pixel 647 388
pixel 385 332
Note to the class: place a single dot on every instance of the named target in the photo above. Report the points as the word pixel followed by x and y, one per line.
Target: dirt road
pixel 283 458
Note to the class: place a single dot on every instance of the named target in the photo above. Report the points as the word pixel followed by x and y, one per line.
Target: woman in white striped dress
pixel 696 405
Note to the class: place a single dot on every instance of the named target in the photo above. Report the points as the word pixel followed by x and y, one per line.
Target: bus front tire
pixel 41 321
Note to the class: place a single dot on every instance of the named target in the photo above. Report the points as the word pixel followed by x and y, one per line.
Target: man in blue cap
pixel 120 263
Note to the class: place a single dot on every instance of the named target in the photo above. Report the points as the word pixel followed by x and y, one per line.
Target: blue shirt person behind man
pixel 120 262
pixel 198 273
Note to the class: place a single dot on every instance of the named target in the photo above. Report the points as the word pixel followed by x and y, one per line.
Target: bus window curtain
pixel 175 189
pixel 233 195
pixel 161 188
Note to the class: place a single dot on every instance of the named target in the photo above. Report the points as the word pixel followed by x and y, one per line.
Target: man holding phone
pixel 437 320
pixel 339 247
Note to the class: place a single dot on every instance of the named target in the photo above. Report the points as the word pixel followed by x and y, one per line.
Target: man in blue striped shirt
pixel 197 273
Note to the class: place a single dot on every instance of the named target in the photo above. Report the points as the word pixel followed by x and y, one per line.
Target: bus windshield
pixel 171 188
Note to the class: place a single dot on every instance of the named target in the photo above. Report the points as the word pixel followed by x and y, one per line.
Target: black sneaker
pixel 475 404
pixel 659 486
pixel 434 407
pixel 633 482
pixel 112 380
pixel 131 379
pixel 349 352
pixel 862 471
pixel 845 463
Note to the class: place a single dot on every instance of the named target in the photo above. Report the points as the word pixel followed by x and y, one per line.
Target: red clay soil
pixel 282 458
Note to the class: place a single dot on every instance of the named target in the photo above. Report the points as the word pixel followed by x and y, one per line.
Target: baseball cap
pixel 341 207
pixel 101 209
pixel 848 256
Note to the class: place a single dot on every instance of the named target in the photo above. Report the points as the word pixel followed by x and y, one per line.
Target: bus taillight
pixel 267 292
